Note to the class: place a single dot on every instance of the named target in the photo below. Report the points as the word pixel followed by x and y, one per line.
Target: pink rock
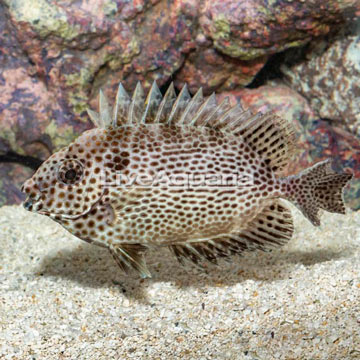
pixel 252 28
pixel 330 80
pixel 212 71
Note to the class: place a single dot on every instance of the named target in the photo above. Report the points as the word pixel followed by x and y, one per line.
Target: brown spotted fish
pixel 201 178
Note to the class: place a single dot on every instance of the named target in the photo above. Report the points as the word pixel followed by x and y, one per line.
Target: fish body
pixel 199 177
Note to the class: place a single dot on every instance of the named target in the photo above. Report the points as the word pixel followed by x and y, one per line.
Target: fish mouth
pixel 35 205
pixel 28 204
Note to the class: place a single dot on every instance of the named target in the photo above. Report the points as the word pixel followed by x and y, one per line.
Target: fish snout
pixel 29 186
pixel 32 202
pixel 28 204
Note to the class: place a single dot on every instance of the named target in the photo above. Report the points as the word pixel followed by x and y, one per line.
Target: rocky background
pixel 299 58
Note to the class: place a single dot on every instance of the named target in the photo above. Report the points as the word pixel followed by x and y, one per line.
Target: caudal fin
pixel 318 187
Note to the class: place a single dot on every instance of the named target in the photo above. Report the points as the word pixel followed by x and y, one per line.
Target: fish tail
pixel 318 187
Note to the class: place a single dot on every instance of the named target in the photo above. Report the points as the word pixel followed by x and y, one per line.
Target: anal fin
pixel 272 227
pixel 130 256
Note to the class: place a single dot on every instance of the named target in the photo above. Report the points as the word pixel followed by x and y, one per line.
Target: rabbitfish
pixel 201 178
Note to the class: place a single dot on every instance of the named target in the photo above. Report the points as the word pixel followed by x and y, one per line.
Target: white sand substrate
pixel 61 298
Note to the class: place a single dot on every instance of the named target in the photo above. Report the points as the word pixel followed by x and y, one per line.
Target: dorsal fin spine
pixel 95 118
pixel 232 125
pixel 218 111
pixel 136 105
pixel 121 107
pixel 105 118
pixel 191 108
pixel 228 117
pixel 180 103
pixel 166 104
pixel 205 109
pixel 152 103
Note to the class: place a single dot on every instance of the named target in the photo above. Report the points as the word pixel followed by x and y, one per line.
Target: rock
pixel 33 120
pixel 253 28
pixel 12 176
pixel 330 80
pixel 276 97
pixel 78 47
pixel 212 71
pixel 317 139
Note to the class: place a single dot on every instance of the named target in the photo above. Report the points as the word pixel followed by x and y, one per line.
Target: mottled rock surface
pixel 330 80
pixel 213 71
pixel 12 176
pixel 252 28
pixel 54 57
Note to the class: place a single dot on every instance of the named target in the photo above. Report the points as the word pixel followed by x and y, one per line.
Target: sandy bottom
pixel 61 298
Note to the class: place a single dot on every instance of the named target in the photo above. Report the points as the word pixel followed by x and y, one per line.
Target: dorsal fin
pixel 94 117
pixel 166 105
pixel 121 107
pixel 213 116
pixel 136 105
pixel 191 108
pixel 271 137
pixel 228 117
pixel 171 109
pixel 179 105
pixel 105 117
pixel 152 103
pixel 206 109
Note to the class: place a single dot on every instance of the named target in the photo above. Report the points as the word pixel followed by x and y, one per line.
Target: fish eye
pixel 70 175
pixel 70 172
